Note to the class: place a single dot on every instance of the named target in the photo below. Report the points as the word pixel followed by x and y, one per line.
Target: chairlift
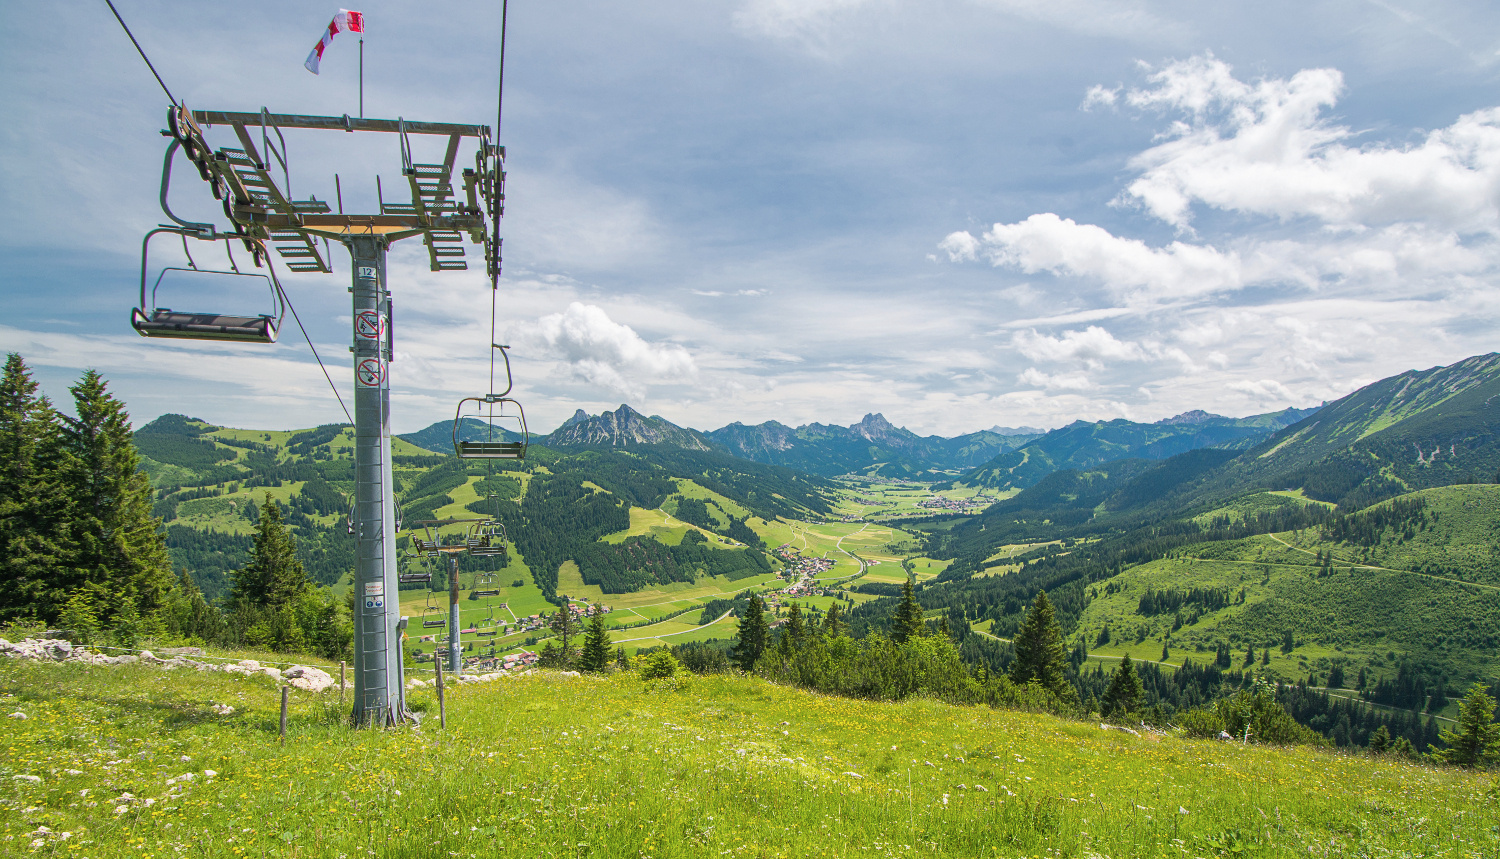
pixel 152 320
pixel 485 634
pixel 486 539
pixel 503 418
pixel 432 623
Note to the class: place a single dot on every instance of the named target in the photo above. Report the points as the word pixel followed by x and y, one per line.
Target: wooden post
pixel 341 682
pixel 283 715
pixel 442 708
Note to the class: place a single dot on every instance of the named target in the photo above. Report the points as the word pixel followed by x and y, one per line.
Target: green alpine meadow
pixel 682 653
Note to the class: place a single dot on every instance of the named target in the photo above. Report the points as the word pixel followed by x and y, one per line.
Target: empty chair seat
pixel 203 326
pixel 491 449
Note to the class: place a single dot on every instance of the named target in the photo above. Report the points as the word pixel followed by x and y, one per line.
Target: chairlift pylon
pixel 497 412
pixel 152 320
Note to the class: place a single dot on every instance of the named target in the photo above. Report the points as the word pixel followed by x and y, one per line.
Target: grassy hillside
pixel 610 767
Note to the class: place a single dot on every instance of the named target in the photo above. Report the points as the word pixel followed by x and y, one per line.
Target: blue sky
pixel 959 213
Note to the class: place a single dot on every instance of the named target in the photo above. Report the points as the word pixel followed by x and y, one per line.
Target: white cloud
pixel 1046 242
pixel 1099 95
pixel 1054 382
pixel 1266 391
pixel 1265 148
pixel 609 354
pixel 1092 346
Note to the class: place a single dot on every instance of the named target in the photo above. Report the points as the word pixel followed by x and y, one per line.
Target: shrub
pixel 660 665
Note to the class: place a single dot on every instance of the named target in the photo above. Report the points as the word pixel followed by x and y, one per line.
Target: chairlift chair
pixel 499 413
pixel 487 539
pixel 151 320
pixel 432 623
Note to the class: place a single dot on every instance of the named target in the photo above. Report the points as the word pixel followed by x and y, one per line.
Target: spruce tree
pixel 34 508
pixel 274 577
pixel 833 622
pixel 796 627
pixel 1124 694
pixel 1475 740
pixel 116 542
pixel 1041 656
pixel 753 634
pixel 907 623
pixel 596 654
pixel 566 626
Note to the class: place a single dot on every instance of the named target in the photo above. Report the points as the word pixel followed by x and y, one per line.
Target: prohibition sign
pixel 369 373
pixel 367 325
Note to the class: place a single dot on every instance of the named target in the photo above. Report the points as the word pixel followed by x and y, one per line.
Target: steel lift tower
pixel 257 201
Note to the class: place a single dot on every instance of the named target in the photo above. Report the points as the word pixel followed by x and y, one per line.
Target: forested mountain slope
pixel 555 504
pixel 1082 444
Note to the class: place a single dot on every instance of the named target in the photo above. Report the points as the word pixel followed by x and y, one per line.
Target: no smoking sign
pixel 367 325
pixel 369 373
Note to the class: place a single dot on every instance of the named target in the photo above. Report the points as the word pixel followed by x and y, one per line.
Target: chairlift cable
pixel 142 51
pixel 316 356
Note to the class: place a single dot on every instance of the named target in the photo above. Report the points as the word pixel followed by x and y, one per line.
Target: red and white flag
pixel 344 21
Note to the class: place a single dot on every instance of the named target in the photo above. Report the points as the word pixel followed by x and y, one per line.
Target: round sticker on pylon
pixel 369 373
pixel 367 325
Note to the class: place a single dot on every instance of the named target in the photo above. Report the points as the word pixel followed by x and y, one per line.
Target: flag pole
pixel 361 78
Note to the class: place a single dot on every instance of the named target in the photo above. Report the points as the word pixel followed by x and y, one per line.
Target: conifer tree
pixel 116 542
pixel 1475 740
pixel 796 627
pixel 1380 741
pixel 34 508
pixel 274 577
pixel 907 623
pixel 596 654
pixel 753 634
pixel 1124 694
pixel 1041 656
pixel 833 622
pixel 566 626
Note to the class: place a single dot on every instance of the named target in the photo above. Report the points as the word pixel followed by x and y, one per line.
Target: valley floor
pixel 549 765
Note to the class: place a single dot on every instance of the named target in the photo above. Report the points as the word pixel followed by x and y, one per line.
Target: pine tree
pixel 1475 740
pixel 753 631
pixel 1165 651
pixel 833 622
pixel 596 654
pixel 622 661
pixel 116 542
pixel 1380 741
pixel 34 507
pixel 907 623
pixel 1041 656
pixel 1124 694
pixel 274 578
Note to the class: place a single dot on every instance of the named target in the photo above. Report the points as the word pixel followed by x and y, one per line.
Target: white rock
pixel 19 715
pixel 34 779
pixel 307 678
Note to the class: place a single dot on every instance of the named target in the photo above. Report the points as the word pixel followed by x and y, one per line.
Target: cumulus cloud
pixel 1265 391
pixel 1049 243
pixel 607 353
pixel 1093 347
pixel 1266 148
pixel 1034 378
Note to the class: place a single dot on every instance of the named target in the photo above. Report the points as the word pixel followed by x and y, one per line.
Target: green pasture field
pixel 691 489
pixel 1248 506
pixel 612 767
pixel 1369 618
pixel 1462 537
